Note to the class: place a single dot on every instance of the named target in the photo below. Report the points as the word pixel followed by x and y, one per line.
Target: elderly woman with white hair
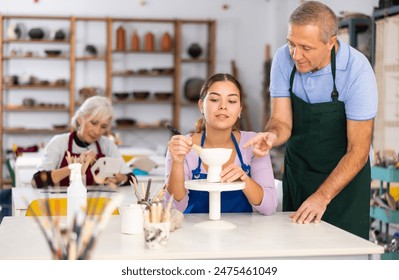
pixel 87 142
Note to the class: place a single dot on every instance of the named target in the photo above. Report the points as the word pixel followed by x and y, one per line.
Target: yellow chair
pixel 58 206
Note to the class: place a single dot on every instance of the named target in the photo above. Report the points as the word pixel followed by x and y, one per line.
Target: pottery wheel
pixel 214 190
pixel 204 185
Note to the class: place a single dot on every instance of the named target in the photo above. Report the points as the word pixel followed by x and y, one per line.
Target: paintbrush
pixel 147 191
pixel 195 147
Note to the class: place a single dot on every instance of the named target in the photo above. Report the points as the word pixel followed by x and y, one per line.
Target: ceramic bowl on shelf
pixel 28 102
pixel 53 52
pixel 121 95
pixel 163 95
pixel 60 126
pixel 125 121
pixel 141 94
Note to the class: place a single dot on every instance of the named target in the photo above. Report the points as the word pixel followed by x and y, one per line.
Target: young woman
pixel 220 105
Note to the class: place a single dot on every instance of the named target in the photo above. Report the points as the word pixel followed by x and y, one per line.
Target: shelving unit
pixel 188 67
pixel 351 29
pixel 384 216
pixel 135 70
pixel 88 67
pixel 13 52
pixel 386 67
pixel 110 63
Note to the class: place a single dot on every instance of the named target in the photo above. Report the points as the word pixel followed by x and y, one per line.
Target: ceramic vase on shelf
pixel 166 42
pixel 149 42
pixel 120 39
pixel 194 50
pixel 135 46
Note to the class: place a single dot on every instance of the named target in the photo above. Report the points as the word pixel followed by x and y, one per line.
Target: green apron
pixel 317 143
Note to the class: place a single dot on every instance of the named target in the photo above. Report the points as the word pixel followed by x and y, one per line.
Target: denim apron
pixel 317 143
pixel 231 202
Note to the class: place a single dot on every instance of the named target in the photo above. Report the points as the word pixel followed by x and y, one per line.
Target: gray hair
pixel 95 106
pixel 318 14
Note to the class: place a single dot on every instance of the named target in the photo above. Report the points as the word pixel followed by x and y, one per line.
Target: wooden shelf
pixel 137 126
pixel 41 41
pixel 20 130
pixel 142 101
pixel 91 58
pixel 196 60
pixel 9 108
pixel 141 75
pixel 142 52
pixel 60 57
pixel 41 87
pixel 143 20
pixel 35 17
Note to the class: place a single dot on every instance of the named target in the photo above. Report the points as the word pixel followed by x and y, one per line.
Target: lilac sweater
pixel 261 172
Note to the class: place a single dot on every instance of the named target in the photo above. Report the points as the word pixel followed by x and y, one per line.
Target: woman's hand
pixel 179 146
pixel 117 179
pixel 232 173
pixel 87 159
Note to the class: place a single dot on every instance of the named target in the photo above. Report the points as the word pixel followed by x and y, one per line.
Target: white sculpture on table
pixel 214 158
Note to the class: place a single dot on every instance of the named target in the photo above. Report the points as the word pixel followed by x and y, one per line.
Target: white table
pixel 255 237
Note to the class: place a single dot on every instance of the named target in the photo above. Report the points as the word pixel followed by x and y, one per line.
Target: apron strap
pixel 334 93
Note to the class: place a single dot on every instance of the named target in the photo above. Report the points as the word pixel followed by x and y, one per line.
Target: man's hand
pixel 262 143
pixel 312 209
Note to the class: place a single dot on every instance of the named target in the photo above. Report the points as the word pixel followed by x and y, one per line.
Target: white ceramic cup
pixel 132 219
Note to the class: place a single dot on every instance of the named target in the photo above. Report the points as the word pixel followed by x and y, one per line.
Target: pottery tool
pixel 160 194
pixel 74 242
pixel 147 191
pixel 133 183
pixel 195 147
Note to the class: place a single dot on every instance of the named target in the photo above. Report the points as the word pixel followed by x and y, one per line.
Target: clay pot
pixel 36 33
pixel 120 39
pixel 166 42
pixel 135 42
pixel 194 50
pixel 192 88
pixel 91 50
pixel 59 35
pixel 149 42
